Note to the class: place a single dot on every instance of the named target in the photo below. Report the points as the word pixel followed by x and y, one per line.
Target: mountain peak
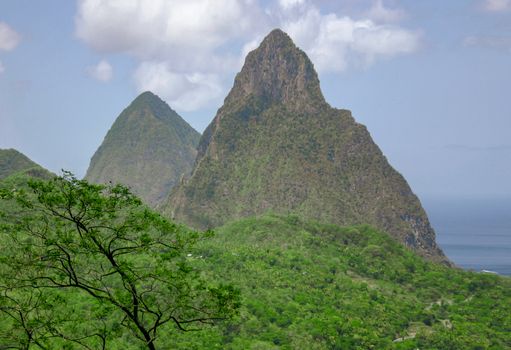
pixel 279 72
pixel 147 99
pixel 277 39
pixel 276 145
pixel 148 148
pixel 147 96
pixel 149 105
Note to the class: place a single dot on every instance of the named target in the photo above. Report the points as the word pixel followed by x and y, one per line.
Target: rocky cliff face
pixel 149 148
pixel 276 145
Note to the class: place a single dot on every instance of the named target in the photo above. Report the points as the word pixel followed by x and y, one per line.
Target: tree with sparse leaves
pixel 66 241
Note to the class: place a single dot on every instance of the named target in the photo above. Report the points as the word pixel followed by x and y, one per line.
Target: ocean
pixel 475 233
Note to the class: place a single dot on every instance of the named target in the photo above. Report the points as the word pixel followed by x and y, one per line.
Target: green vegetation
pixel 313 286
pixel 86 266
pixel 304 285
pixel 277 145
pixel 90 266
pixel 149 148
pixel 12 162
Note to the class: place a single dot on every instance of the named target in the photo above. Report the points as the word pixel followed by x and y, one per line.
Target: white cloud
pixel 102 71
pixel 2 68
pixel 379 13
pixel 337 43
pixel 184 47
pixel 497 5
pixel 288 4
pixel 187 42
pixel 183 91
pixel 157 28
pixel 374 41
pixel 9 39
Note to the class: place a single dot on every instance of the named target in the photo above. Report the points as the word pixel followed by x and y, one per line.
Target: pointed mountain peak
pixel 276 145
pixel 277 39
pixel 148 104
pixel 148 100
pixel 149 147
pixel 279 72
pixel 147 97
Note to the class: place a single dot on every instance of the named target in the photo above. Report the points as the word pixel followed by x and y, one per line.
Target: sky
pixel 431 80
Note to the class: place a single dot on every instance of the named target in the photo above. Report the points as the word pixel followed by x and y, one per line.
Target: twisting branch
pixel 100 242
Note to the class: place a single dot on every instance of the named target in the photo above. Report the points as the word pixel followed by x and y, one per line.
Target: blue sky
pixel 430 79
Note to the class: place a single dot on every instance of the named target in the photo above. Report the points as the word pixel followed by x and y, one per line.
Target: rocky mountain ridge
pixel 276 145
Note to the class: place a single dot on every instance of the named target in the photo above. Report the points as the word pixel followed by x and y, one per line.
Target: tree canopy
pixel 98 251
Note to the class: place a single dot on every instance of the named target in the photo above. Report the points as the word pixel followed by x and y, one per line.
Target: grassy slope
pixel 12 161
pixel 313 286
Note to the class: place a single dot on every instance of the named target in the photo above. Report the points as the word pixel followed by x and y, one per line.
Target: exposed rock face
pixel 276 145
pixel 149 148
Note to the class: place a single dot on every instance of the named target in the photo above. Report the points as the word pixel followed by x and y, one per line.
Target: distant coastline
pixel 475 233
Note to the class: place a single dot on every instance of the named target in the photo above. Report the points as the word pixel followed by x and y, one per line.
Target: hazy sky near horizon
pixel 431 80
